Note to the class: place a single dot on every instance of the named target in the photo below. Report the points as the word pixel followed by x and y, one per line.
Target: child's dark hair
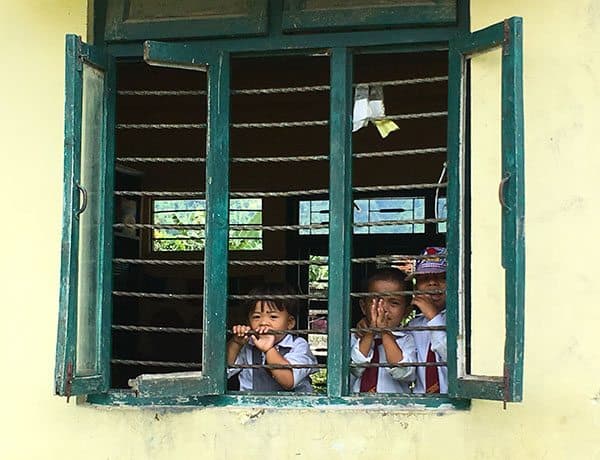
pixel 388 274
pixel 264 291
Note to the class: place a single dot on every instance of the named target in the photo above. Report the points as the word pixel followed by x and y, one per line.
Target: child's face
pixel 266 314
pixel 394 307
pixel 433 281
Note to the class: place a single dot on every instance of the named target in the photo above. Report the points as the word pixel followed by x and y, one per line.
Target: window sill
pixel 378 402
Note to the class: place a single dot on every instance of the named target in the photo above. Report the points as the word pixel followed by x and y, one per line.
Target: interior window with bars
pixel 279 111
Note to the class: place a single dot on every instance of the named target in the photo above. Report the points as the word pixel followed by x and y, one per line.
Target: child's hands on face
pixel 378 315
pixel 363 323
pixel 425 303
pixel 264 342
pixel 240 334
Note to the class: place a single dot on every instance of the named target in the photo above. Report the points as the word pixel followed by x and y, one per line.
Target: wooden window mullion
pixel 217 222
pixel 340 222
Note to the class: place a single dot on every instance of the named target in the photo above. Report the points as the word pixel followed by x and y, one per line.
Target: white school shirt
pixel 439 346
pixel 389 379
pixel 299 354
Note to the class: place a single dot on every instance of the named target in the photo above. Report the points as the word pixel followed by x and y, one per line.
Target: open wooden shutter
pixel 211 380
pixel 507 387
pixel 83 344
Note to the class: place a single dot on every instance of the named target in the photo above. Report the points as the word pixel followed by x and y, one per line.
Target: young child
pixel 430 274
pixel 385 347
pixel 267 348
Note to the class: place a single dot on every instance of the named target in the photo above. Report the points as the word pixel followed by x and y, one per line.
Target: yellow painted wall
pixel 560 416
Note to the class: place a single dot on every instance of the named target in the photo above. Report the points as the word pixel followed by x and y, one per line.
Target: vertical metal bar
pixel 340 222
pixel 513 216
pixel 217 222
pixel 455 224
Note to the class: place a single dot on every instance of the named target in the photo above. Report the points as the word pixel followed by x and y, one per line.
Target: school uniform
pixel 388 379
pixel 436 342
pixel 294 349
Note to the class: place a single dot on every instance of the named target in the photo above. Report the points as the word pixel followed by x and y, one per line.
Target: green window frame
pixel 507 35
pixel 209 385
pixel 85 286
pixel 300 15
pixel 135 20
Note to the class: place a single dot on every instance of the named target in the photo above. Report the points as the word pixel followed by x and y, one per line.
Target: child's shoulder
pixel 297 340
pixel 418 320
pixel 292 341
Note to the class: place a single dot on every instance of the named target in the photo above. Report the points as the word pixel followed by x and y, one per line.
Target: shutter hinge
pixel 82 56
pixel 69 380
pixel 506 39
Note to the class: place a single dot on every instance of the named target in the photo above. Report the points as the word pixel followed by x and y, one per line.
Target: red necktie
pixel 368 382
pixel 432 380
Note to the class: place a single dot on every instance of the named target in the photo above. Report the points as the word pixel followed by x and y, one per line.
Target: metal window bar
pixel 187 330
pixel 173 296
pixel 276 124
pixel 292 193
pixel 191 365
pixel 247 158
pixel 284 90
pixel 278 227
pixel 133 362
pixel 358 260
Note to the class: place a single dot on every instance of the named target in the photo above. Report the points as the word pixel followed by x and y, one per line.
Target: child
pixel 267 348
pixel 385 347
pixel 430 274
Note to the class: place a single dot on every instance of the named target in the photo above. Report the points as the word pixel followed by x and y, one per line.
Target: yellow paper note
pixel 385 127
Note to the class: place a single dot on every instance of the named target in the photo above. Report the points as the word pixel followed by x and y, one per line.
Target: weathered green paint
pixel 249 19
pixel 279 400
pixel 175 384
pixel 105 320
pixel 428 38
pixel 78 52
pixel 509 36
pixel 65 348
pixel 454 227
pixel 212 378
pixel 340 222
pixel 480 41
pixel 364 14
pixel 482 387
pixel 217 221
pixel 513 215
pixel 174 55
pixel 463 15
pixel 96 12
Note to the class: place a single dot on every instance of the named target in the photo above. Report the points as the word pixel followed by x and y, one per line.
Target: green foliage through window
pixel 193 213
